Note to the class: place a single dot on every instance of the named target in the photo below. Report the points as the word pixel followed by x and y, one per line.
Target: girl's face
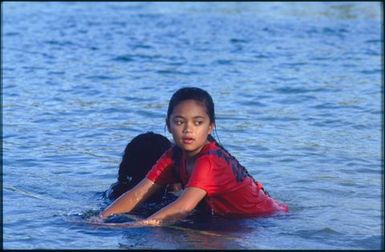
pixel 190 125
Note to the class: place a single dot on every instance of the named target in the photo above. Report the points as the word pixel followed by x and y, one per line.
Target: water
pixel 298 94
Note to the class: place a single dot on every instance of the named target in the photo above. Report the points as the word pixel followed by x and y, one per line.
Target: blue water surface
pixel 298 95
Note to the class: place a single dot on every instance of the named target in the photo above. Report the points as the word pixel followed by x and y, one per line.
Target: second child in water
pixel 209 174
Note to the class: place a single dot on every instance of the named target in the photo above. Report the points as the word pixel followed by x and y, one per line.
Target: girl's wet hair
pixel 191 93
pixel 140 154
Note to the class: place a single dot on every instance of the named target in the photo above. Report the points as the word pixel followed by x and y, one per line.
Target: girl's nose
pixel 187 129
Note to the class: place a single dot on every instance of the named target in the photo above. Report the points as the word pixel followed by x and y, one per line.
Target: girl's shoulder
pixel 218 153
pixel 211 149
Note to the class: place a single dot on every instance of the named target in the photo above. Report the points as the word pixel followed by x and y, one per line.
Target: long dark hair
pixel 139 156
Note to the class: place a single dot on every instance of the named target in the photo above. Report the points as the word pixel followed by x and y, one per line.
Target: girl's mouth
pixel 188 140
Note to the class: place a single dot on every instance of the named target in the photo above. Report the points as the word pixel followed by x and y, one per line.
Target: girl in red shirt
pixel 208 173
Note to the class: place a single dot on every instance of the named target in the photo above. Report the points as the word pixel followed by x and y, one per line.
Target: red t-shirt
pixel 230 190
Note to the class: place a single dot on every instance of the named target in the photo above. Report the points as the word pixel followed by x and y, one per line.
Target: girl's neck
pixel 192 155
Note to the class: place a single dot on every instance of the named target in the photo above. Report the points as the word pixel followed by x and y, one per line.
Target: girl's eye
pixel 178 122
pixel 198 123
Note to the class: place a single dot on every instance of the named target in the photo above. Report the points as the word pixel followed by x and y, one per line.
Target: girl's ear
pixel 211 127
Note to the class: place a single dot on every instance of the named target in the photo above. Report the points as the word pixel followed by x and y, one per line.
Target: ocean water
pixel 298 91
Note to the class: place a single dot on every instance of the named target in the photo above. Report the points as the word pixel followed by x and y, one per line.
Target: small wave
pixel 291 90
pixel 287 160
pixel 58 43
pixel 142 47
pixel 373 41
pixel 237 41
pixel 172 72
pixel 124 58
pixel 323 233
pixel 297 99
pixel 10 34
pixel 102 77
pixel 369 72
pixel 11 69
pixel 374 170
pixel 326 231
pixel 150 114
pixel 294 64
pixel 46 120
pixel 56 73
pixel 253 103
pixel 278 119
pixel 261 56
pixel 135 99
pixel 135 57
pixel 33 68
pixel 223 62
pixel 326 106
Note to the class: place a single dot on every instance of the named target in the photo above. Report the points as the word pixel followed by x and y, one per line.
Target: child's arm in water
pixel 176 210
pixel 129 200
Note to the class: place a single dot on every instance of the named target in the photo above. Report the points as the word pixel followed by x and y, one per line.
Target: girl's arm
pixel 127 201
pixel 177 209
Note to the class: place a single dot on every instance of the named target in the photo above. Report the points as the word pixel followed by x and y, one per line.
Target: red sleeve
pixel 162 171
pixel 209 176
